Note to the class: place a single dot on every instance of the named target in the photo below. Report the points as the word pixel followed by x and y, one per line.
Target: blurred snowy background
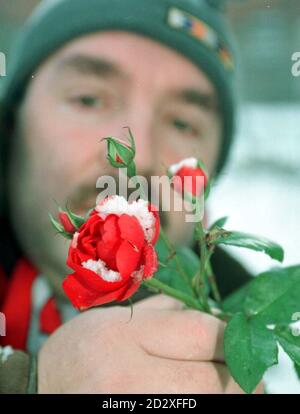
pixel 260 191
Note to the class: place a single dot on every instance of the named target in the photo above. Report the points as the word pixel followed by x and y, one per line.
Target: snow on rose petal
pixel 112 253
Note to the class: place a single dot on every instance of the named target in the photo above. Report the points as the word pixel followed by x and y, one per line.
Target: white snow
pixel 99 267
pixel 187 162
pixel 119 205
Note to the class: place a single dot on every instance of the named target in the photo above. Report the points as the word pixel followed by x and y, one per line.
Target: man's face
pixel 90 89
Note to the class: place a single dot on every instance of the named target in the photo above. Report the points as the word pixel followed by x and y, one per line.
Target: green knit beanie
pixel 194 28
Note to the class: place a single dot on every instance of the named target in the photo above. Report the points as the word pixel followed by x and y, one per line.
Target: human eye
pixel 185 127
pixel 99 100
pixel 88 101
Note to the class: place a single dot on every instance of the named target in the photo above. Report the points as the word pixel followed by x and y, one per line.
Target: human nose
pixel 141 127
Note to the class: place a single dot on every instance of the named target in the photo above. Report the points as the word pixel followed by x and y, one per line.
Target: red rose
pixel 184 177
pixel 112 253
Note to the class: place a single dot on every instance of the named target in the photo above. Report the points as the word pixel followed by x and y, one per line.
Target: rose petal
pixel 107 253
pixel 92 281
pixel 110 229
pixel 131 230
pixel 150 261
pixel 154 211
pixel 119 295
pixel 130 291
pixel 127 259
pixel 107 247
pixel 83 298
pixel 190 185
pixel 80 297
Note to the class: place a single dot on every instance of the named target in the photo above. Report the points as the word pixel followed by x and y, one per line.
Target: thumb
pixel 159 302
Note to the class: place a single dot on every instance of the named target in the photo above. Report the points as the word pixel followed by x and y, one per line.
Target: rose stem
pixel 169 291
pixel 200 277
pixel 166 240
pixel 212 281
pixel 173 253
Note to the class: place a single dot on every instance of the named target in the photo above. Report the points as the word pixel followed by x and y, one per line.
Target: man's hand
pixel 162 349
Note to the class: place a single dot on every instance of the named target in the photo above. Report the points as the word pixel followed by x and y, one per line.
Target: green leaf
pixel 250 348
pixel 260 244
pixel 289 342
pixel 273 297
pixel 189 260
pixel 219 223
pixel 236 301
pixel 297 369
pixel 170 274
pixel 162 250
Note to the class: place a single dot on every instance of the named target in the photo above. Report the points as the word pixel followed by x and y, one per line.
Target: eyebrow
pixel 102 68
pixel 89 65
pixel 203 100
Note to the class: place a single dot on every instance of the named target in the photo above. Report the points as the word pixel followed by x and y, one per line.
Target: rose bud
pixel 66 222
pixel 121 154
pixel 184 177
pixel 112 253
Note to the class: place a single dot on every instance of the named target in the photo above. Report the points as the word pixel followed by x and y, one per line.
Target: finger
pixel 181 335
pixel 187 377
pixel 260 389
pixel 227 383
pixel 159 302
pixel 178 377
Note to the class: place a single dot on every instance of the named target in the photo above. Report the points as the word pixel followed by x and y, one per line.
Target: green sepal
pixel 123 150
pixel 60 228
pixel 75 219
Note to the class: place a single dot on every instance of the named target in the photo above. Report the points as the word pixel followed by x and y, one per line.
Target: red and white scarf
pixel 18 306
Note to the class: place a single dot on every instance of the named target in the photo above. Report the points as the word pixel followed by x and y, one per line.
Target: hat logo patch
pixel 194 27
